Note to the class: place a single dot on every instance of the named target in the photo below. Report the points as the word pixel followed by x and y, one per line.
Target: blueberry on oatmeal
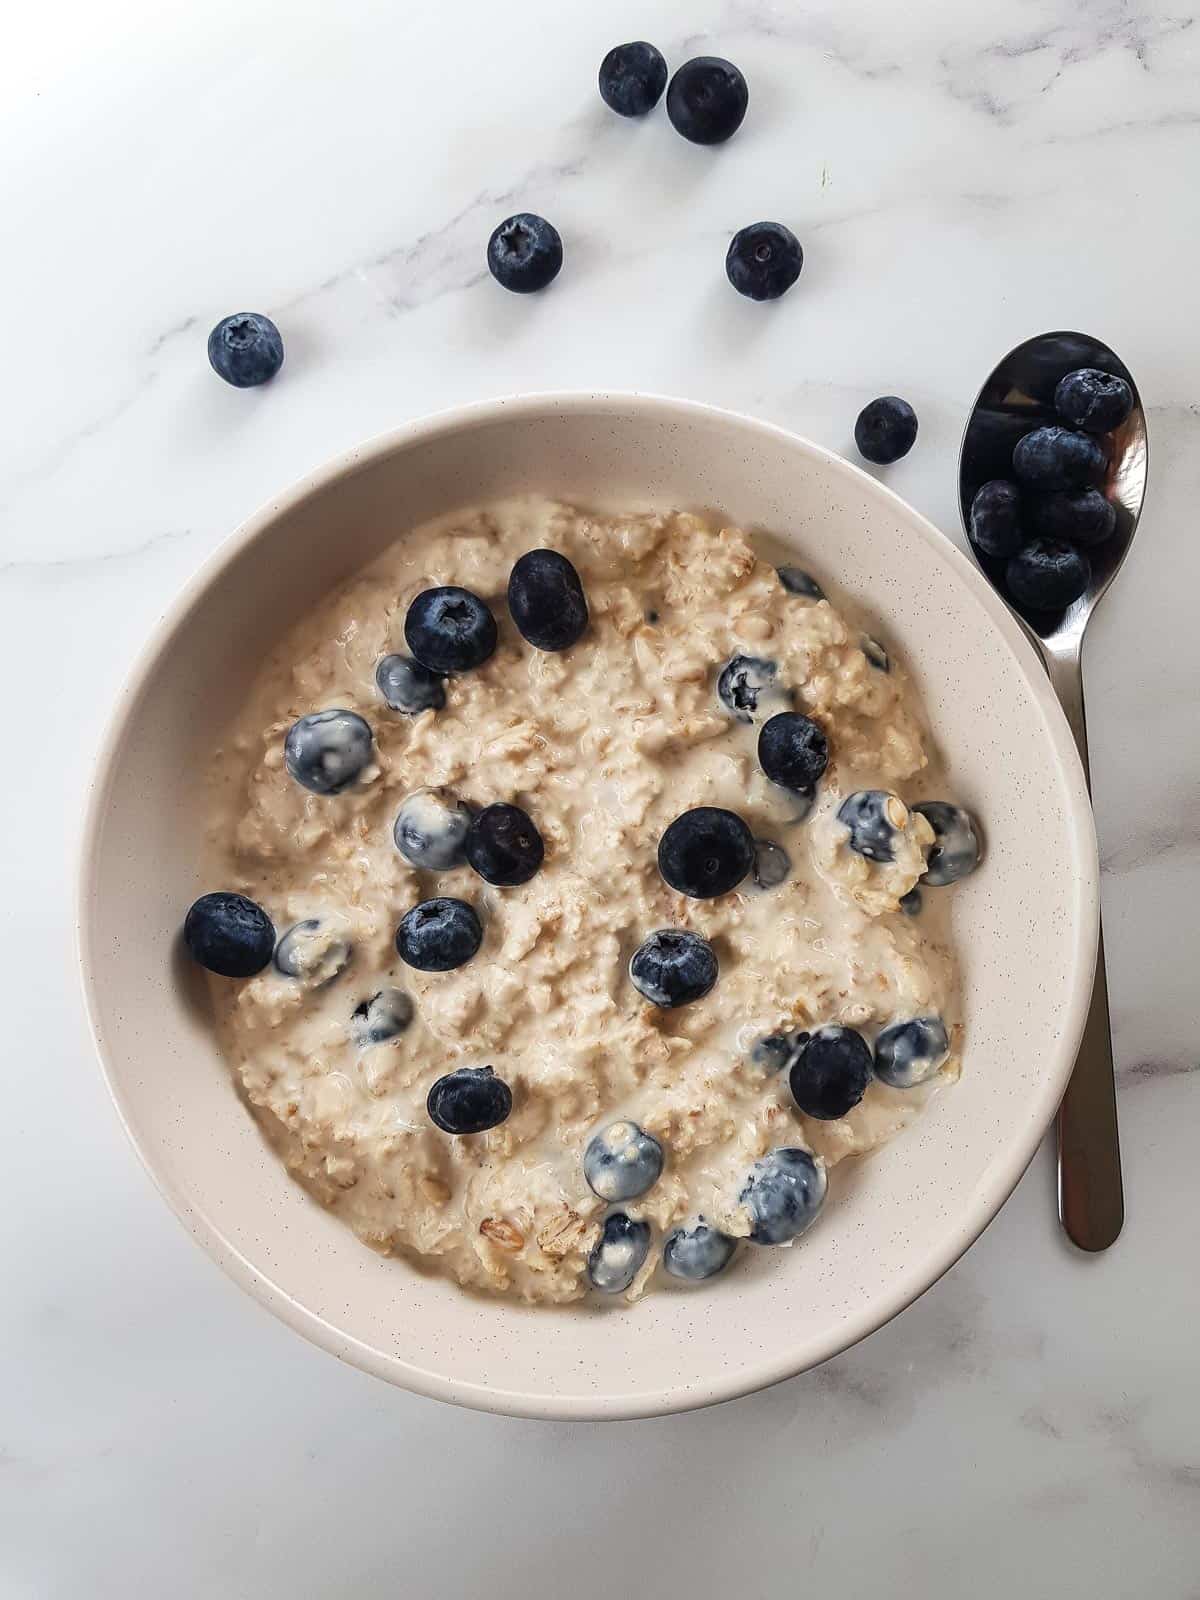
pixel 469 1100
pixel 830 1073
pixel 546 600
pixel 955 851
pixel 742 681
pixel 438 935
pixel 313 951
pixel 909 1053
pixel 619 1253
pixel 449 629
pixel 325 751
pixel 409 687
pixel 431 829
pixel 783 1194
pixel 777 1051
pixel 697 1251
pixel 874 818
pixel 673 968
pixel 772 864
pixel 622 1161
pixel 706 852
pixel 229 935
pixel 793 751
pixel 380 1017
pixel 796 581
pixel 875 653
pixel 503 845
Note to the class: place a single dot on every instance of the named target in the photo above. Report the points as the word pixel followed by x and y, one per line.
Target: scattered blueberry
pixel 1057 458
pixel 245 349
pixel 314 951
pixel 622 1161
pixel 697 1251
pixel 777 1051
pixel 707 100
pixel 908 1053
pixel 886 429
pixel 673 968
pixel 783 1194
pixel 469 1100
pixel 503 845
pixel 438 935
pixel 830 1073
pixel 796 581
pixel 772 864
pixel 1046 575
pixel 910 903
pixel 793 751
pixel 955 851
pixel 450 630
pixel 525 253
pixel 741 681
pixel 229 935
pixel 875 653
pixel 408 686
pixel 381 1017
pixel 705 852
pixel 546 600
pixel 1081 516
pixel 430 830
pixel 1093 400
pixel 763 260
pixel 327 750
pixel 632 79
pixel 994 526
pixel 870 816
pixel 618 1254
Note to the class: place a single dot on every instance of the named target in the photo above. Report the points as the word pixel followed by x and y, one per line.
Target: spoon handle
pixel 1091 1203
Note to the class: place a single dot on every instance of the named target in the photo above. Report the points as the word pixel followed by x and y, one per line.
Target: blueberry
pixel 910 903
pixel 908 1053
pixel 740 683
pixel 622 1162
pixel 706 852
pixel 875 653
pixel 869 814
pixel 546 600
pixel 777 1051
pixel 955 850
pixel 314 951
pixel 632 79
pixel 796 581
pixel 327 750
pixel 783 1194
pixel 1057 458
pixel 697 1251
pixel 229 935
pixel 245 349
pixel 503 845
pixel 618 1254
pixel 673 968
pixel 438 935
pixel 431 829
pixel 707 100
pixel 408 686
pixel 763 260
pixel 994 526
pixel 1093 400
pixel 469 1100
pixel 1046 575
pixel 1080 516
pixel 830 1073
pixel 450 630
pixel 772 864
pixel 793 751
pixel 524 253
pixel 886 429
pixel 381 1017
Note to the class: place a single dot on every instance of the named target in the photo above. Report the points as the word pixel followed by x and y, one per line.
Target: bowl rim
pixel 731 1383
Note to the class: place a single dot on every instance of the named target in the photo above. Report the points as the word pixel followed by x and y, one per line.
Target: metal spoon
pixel 1019 396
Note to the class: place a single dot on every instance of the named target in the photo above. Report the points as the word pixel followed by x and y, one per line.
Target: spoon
pixel 1019 396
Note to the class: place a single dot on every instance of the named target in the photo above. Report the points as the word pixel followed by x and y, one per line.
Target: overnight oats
pixel 578 909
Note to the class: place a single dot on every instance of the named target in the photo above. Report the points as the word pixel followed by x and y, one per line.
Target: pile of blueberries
pixel 1042 525
pixel 706 103
pixel 705 852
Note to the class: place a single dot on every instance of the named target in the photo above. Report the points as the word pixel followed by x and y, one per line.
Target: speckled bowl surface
pixel 1024 925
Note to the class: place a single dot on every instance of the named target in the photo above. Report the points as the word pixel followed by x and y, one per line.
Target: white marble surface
pixel 961 176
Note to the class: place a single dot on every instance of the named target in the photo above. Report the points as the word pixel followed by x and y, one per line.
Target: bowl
pixel 1024 925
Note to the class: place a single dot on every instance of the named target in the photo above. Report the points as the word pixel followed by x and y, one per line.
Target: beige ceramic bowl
pixel 1025 924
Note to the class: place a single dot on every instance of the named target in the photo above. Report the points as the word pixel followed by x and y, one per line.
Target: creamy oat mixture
pixel 603 745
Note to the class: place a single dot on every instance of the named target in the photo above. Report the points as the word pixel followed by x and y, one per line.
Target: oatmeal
pixel 565 989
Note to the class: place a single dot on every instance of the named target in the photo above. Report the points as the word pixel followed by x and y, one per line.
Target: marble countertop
pixel 960 177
